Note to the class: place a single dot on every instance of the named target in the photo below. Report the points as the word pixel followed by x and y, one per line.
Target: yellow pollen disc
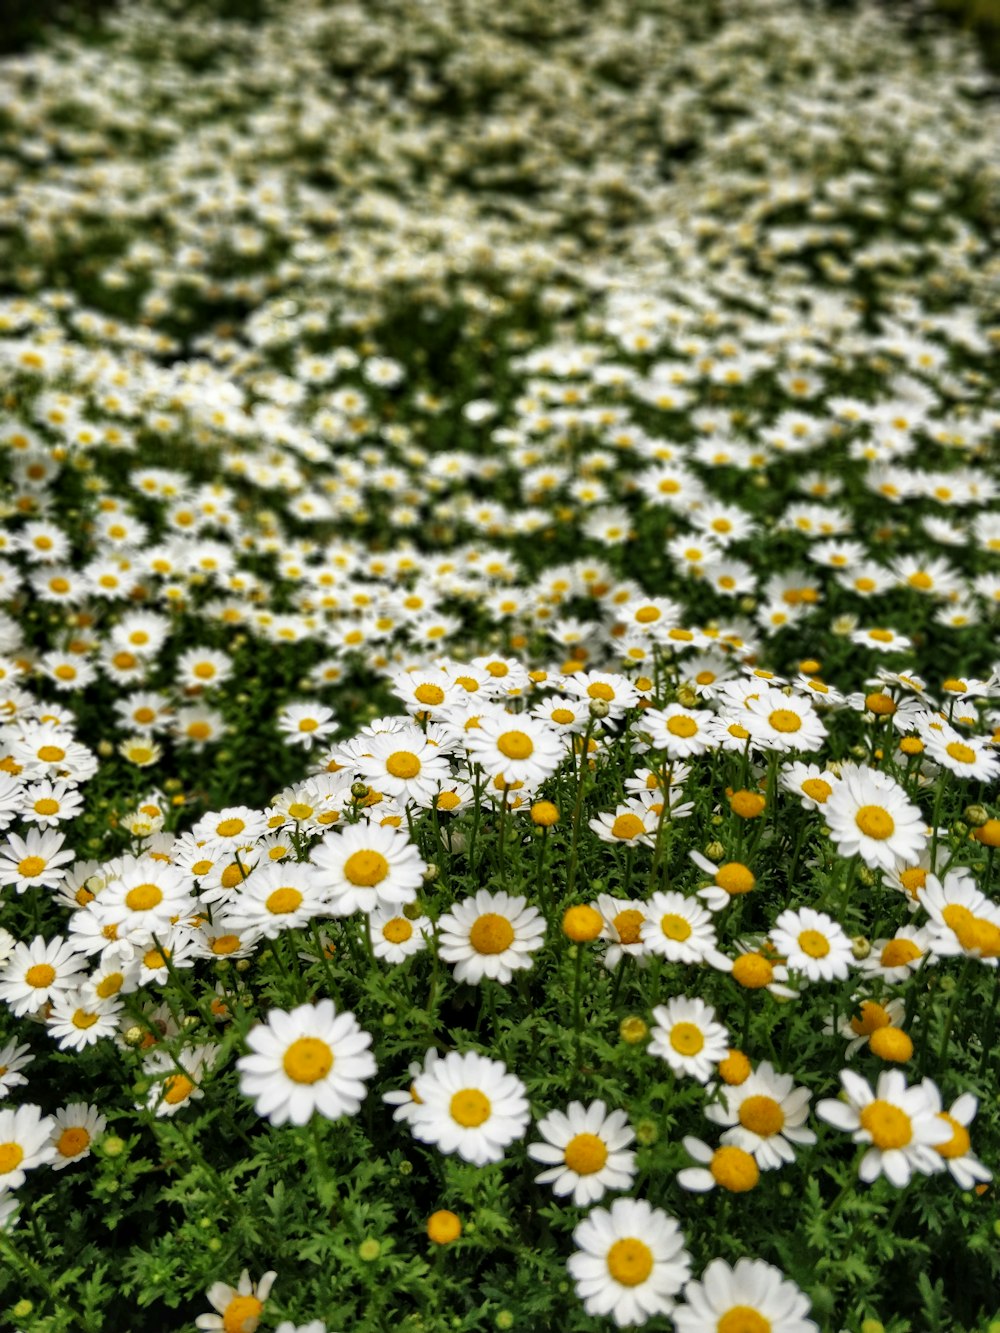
pixel 403 764
pixel 241 1314
pixel 562 716
pixel 231 876
pixel 585 1154
pixel 468 683
pixel 682 726
pixel 887 1124
pixel 308 724
pixel 82 1020
pixel 299 810
pixel 762 1115
pixel 429 694
pixel 448 800
pixel 686 1038
pixel 469 1108
pixel 735 878
pixel 958 1145
pixel 817 790
pixel 177 1088
pixel 881 635
pixel 59 585
pixel 366 869
pixel 230 828
pixel 740 733
pixel 784 719
pixel 630 1261
pixel 31 866
pixel 73 1141
pixel 814 943
pixel 143 897
pixel 283 900
pixel 491 933
pixel 920 580
pixel 743 1319
pixel 875 822
pixel 199 731
pixel 753 971
pixel 225 944
pixel 515 745
pixel 647 614
pixel 627 827
pixel 307 1060
pixel 961 921
pixel 601 691
pixel 962 754
pixel 890 1043
pixel 40 975
pixel 871 1018
pixel 110 931
pixel 11 1156
pixel 734 1169
pixel 629 925
pixel 204 670
pixel 897 953
pixel 51 754
pixel 66 672
pixel 154 960
pixel 675 927
pixel 398 930
pixel 913 880
pixel 144 716
pixel 109 985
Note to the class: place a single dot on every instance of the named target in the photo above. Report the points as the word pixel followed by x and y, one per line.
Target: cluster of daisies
pixel 497 504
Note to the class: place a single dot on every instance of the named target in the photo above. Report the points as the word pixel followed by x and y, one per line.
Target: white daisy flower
pixel 74 1130
pixel 37 860
pixel 39 972
pixel 956 1153
pixel 230 829
pixel 869 815
pixel 898 957
pixel 812 943
pixel 627 827
pixel 962 920
pixel 623 920
pixel 276 896
pixel 728 1167
pixel 766 1114
pixel 492 935
pixel 752 1297
pixel 585 1152
pixel 144 898
pixel 396 937
pixel 679 732
pixel 811 784
pixel 515 748
pixel 311 1059
pixel 730 880
pixel 406 1100
pixel 74 1023
pixel 967 757
pixel 898 1121
pixel 470 1105
pixel 678 928
pixel 782 722
pixel 24 1144
pixel 177 1079
pixel 238 1308
pixel 630 1262
pixel 367 866
pixel 614 690
pixel 306 723
pixel 869 1016
pixel 687 1036
pixel 881 640
pixel 13 1059
pixel 405 766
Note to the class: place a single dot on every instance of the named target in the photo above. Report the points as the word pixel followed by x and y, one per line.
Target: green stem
pixel 23 1264
pixel 960 990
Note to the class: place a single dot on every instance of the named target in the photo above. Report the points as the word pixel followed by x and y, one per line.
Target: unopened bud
pixel 976 815
pixel 715 851
pixel 359 790
pixel 431 873
pixel 133 1036
pixel 860 947
pixel 599 708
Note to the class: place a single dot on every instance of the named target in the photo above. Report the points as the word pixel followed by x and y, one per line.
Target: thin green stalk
pixel 960 986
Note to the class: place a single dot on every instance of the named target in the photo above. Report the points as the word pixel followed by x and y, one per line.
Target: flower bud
pixel 975 815
pixel 860 947
pixel 599 708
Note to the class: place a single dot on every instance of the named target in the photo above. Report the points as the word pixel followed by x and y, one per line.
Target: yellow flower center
pixel 31 866
pixel 647 614
pixel 40 975
pixel 585 1154
pixel 448 800
pixel 753 971
pixel 11 1156
pixel 299 810
pixel 241 1314
pixel 675 927
pixel 45 806
pixel 629 925
pixel 177 1088
pixel 630 1261
pixel 515 745
pixel 491 933
pixel 429 694
pixel 734 1169
pixel 225 944
pixel 875 822
pixel 229 828
pixel 814 943
pixel 83 1020
pixel 762 1115
pixel 601 691
pixel 686 1038
pixel 366 869
pixel 562 716
pixel 887 1124
pixel 735 878
pixel 398 930
pixel 283 900
pixel 871 1018
pixel 403 764
pixel 958 1145
pixel 143 897
pixel 962 754
pixel 897 953
pixel 308 724
pixel 469 1108
pixel 51 754
pixel 109 985
pixel 743 1319
pixel 784 719
pixel 817 790
pixel 199 731
pixel 307 1060
pixel 682 726
pixel 627 827
pixel 73 1141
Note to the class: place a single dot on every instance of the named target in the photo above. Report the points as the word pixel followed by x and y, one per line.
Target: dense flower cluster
pixel 499 699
